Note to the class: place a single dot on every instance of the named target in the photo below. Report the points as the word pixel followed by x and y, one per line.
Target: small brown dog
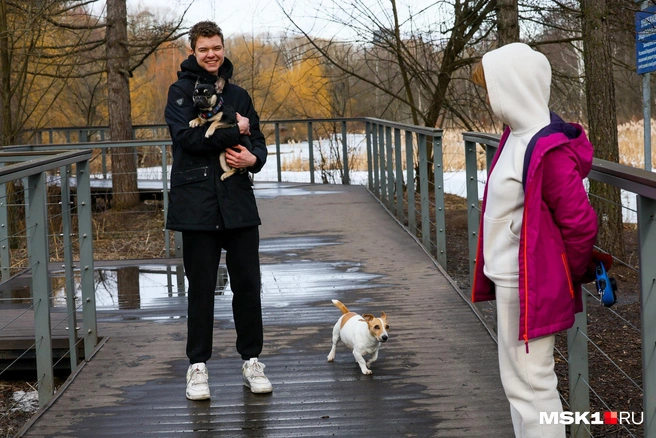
pixel 362 334
pixel 207 98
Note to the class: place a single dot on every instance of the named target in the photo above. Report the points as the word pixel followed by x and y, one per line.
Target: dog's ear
pixel 367 317
pixel 197 82
pixel 383 315
pixel 220 83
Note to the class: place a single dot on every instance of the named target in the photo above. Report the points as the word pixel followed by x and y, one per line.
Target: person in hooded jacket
pixel 537 231
pixel 213 214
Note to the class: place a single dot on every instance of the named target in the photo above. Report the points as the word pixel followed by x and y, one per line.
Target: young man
pixel 214 214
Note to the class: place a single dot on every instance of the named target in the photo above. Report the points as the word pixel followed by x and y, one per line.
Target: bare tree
pixel 125 193
pixel 46 46
pixel 423 62
pixel 507 21
pixel 600 92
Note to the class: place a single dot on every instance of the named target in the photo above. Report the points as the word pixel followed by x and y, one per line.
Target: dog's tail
pixel 340 306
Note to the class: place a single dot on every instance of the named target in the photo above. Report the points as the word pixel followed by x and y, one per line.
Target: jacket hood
pixel 569 135
pixel 518 81
pixel 190 69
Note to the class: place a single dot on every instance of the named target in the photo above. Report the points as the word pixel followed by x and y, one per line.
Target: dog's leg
pixel 227 170
pixel 373 358
pixel 213 126
pixel 197 122
pixel 361 362
pixel 331 355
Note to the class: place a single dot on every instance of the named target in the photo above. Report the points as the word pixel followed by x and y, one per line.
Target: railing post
pixel 473 213
pixel 440 219
pixel 5 253
pixel 577 352
pixel 390 169
pixel 165 200
pixel 103 155
pixel 278 164
pixel 376 169
pixel 86 257
pixel 647 242
pixel 399 174
pixel 37 240
pixel 69 275
pixel 311 152
pixel 346 179
pixel 382 160
pixel 410 184
pixel 423 189
pixel 370 176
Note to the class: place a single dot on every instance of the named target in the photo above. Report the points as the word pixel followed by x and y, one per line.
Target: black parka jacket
pixel 198 199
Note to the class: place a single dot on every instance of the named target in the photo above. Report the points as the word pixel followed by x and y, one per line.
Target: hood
pixel 518 81
pixel 561 133
pixel 190 69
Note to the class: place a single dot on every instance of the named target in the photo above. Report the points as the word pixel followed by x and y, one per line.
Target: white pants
pixel 529 380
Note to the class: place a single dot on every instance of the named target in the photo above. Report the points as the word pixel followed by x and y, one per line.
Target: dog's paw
pixel 226 175
pixel 367 372
pixel 195 123
pixel 331 358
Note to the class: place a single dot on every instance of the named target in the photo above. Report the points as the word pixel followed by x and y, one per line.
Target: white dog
pixel 362 334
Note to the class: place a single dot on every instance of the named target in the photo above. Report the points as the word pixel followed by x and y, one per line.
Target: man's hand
pixel 240 158
pixel 244 125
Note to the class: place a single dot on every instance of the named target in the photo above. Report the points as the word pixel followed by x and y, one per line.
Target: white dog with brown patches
pixel 362 334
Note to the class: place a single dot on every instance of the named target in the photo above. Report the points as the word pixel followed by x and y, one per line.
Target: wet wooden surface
pixel 437 376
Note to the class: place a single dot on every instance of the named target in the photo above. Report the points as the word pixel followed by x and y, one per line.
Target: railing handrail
pixel 53 160
pixel 633 179
pixel 404 126
pixel 15 149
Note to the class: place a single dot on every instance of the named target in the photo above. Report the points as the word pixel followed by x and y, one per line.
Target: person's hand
pixel 239 157
pixel 591 272
pixel 244 125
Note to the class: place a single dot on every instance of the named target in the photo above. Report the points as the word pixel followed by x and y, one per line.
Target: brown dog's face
pixel 205 96
pixel 378 326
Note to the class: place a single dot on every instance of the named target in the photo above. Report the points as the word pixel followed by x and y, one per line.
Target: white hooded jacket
pixel 519 92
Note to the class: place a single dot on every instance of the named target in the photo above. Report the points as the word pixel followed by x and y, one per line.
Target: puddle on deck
pixel 160 290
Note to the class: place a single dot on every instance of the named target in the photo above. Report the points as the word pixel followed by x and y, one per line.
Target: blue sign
pixel 646 40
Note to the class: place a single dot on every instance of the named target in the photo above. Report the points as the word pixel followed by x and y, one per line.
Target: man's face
pixel 210 53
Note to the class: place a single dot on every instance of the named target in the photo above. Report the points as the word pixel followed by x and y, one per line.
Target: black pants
pixel 201 256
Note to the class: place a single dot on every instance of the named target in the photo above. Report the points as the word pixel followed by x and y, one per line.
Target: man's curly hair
pixel 206 29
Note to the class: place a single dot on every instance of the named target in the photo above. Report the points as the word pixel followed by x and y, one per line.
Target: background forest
pixel 55 62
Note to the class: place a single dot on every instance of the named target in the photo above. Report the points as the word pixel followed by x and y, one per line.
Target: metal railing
pixel 405 170
pixel 27 174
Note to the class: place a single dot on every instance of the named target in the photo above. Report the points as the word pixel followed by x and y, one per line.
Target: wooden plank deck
pixel 437 376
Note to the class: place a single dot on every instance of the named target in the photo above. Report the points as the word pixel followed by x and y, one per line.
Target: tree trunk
pixel 5 77
pixel 507 21
pixel 602 118
pixel 124 167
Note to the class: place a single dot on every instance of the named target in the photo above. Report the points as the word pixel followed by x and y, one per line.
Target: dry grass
pixel 631 143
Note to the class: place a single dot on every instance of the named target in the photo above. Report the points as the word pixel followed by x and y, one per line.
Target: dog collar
pixel 214 111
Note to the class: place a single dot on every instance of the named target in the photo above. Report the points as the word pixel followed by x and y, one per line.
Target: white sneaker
pixel 197 386
pixel 254 377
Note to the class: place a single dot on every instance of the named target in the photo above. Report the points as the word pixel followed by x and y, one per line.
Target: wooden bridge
pixel 437 376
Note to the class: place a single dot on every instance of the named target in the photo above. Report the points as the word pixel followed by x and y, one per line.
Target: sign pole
pixel 645 48
pixel 646 112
